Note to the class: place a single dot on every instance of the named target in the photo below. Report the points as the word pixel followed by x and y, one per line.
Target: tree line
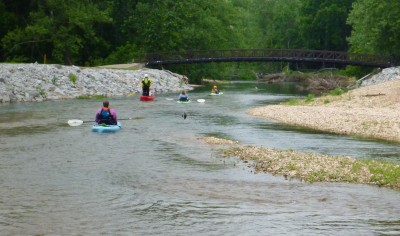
pixel 90 33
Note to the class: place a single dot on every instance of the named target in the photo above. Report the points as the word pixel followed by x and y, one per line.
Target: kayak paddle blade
pixel 75 122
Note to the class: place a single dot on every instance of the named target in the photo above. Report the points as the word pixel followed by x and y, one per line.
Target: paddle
pixel 76 122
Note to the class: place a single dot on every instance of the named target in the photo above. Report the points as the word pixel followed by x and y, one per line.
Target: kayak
pixel 216 94
pixel 106 128
pixel 147 98
pixel 184 102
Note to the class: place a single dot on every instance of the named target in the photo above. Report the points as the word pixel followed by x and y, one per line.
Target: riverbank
pixel 311 167
pixel 37 82
pixel 371 111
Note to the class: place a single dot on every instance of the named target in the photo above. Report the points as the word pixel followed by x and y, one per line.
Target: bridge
pixel 268 55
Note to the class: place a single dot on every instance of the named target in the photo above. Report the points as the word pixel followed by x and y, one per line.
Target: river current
pixel 155 177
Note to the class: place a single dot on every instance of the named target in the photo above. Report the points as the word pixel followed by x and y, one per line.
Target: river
pixel 155 177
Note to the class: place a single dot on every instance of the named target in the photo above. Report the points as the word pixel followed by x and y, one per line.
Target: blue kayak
pixel 106 128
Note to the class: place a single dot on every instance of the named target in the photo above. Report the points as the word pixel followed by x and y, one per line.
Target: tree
pixel 323 24
pixel 61 29
pixel 168 25
pixel 13 15
pixel 278 21
pixel 376 27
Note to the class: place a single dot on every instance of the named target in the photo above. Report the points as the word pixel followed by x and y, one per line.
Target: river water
pixel 154 177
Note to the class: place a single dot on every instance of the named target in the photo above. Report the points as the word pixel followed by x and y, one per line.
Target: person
pixel 183 97
pixel 146 83
pixel 106 115
pixel 215 90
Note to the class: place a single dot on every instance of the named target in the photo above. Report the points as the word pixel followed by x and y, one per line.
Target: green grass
pixel 325 98
pixel 73 78
pixel 337 91
pixel 300 101
pixel 384 173
pixel 41 91
pixel 91 97
pixel 313 167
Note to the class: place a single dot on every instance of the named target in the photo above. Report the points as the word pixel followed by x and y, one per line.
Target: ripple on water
pixel 154 177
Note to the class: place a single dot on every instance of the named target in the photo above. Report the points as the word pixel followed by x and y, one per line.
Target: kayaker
pixel 106 115
pixel 146 84
pixel 183 97
pixel 215 90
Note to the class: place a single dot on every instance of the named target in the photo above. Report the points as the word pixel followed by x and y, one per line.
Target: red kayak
pixel 147 98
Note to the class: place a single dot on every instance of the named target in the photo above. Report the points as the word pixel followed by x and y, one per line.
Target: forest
pixel 92 33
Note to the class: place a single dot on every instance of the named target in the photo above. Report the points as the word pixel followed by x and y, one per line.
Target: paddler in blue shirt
pixel 183 97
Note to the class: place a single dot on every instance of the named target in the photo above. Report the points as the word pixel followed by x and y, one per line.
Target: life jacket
pixel 215 91
pixel 146 82
pixel 183 98
pixel 105 115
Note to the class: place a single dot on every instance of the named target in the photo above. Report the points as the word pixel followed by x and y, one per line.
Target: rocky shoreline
pixel 38 82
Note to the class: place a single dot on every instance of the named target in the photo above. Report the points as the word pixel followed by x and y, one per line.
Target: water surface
pixel 154 177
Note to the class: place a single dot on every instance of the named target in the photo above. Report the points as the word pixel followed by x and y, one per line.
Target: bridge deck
pixel 251 55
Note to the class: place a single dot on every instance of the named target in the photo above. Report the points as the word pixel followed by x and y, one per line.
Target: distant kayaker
pixel 215 90
pixel 146 84
pixel 183 97
pixel 106 115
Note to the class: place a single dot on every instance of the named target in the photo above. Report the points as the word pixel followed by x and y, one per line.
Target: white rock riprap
pixel 387 74
pixel 38 82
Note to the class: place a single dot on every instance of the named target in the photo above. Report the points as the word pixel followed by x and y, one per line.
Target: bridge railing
pixel 192 56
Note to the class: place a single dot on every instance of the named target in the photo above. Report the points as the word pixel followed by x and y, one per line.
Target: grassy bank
pixel 313 167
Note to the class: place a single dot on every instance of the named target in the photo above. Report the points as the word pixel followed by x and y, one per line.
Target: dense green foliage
pixel 376 27
pixel 323 24
pixel 88 33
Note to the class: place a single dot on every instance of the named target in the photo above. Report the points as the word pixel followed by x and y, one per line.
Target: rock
pixel 386 74
pixel 38 82
pixel 5 98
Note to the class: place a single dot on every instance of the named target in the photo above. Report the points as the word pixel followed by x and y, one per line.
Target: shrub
pixel 310 97
pixel 73 78
pixel 336 91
